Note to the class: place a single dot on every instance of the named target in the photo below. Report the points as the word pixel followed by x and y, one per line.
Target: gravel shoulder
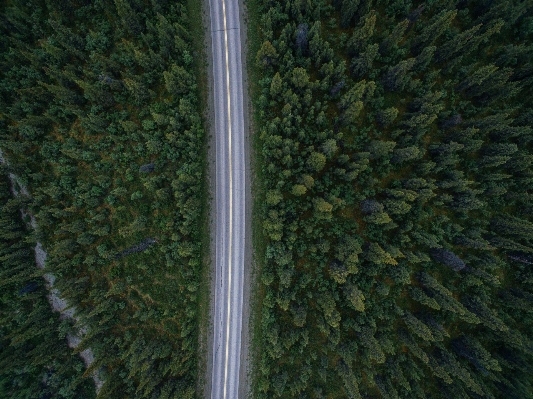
pixel 209 117
pixel 245 371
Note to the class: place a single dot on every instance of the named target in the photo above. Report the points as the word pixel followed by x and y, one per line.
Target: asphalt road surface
pixel 229 197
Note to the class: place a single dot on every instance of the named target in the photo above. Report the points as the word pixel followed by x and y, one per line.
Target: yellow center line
pixel 230 197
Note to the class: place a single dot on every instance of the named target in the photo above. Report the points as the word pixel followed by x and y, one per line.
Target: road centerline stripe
pixel 230 197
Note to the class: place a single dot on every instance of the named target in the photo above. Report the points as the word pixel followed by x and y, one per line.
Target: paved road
pixel 229 197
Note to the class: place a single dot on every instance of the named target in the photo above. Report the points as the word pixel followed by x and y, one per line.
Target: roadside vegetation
pixel 397 177
pixel 100 118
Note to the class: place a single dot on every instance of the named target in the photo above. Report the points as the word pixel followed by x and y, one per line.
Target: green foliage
pixel 387 116
pixel 397 140
pixel 35 361
pixel 99 116
pixel 316 161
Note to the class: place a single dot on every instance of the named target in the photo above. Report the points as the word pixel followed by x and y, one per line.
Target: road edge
pixel 199 13
pixel 257 241
pixel 209 116
pixel 249 275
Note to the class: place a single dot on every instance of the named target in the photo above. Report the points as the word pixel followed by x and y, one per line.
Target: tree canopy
pixel 397 259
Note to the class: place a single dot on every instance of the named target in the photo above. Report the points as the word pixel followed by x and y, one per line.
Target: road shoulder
pixel 202 49
pixel 249 275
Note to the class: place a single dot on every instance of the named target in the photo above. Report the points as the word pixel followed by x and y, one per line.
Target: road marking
pixel 230 195
pixel 220 30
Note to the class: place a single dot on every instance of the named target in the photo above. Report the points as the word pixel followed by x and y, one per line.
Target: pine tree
pixel 362 64
pixel 362 33
pixel 397 77
pixel 129 17
pixel 394 37
pixel 266 55
pixel 433 30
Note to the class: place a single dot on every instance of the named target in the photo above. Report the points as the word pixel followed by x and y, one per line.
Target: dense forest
pixel 396 185
pixel 35 361
pixel 396 164
pixel 100 119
